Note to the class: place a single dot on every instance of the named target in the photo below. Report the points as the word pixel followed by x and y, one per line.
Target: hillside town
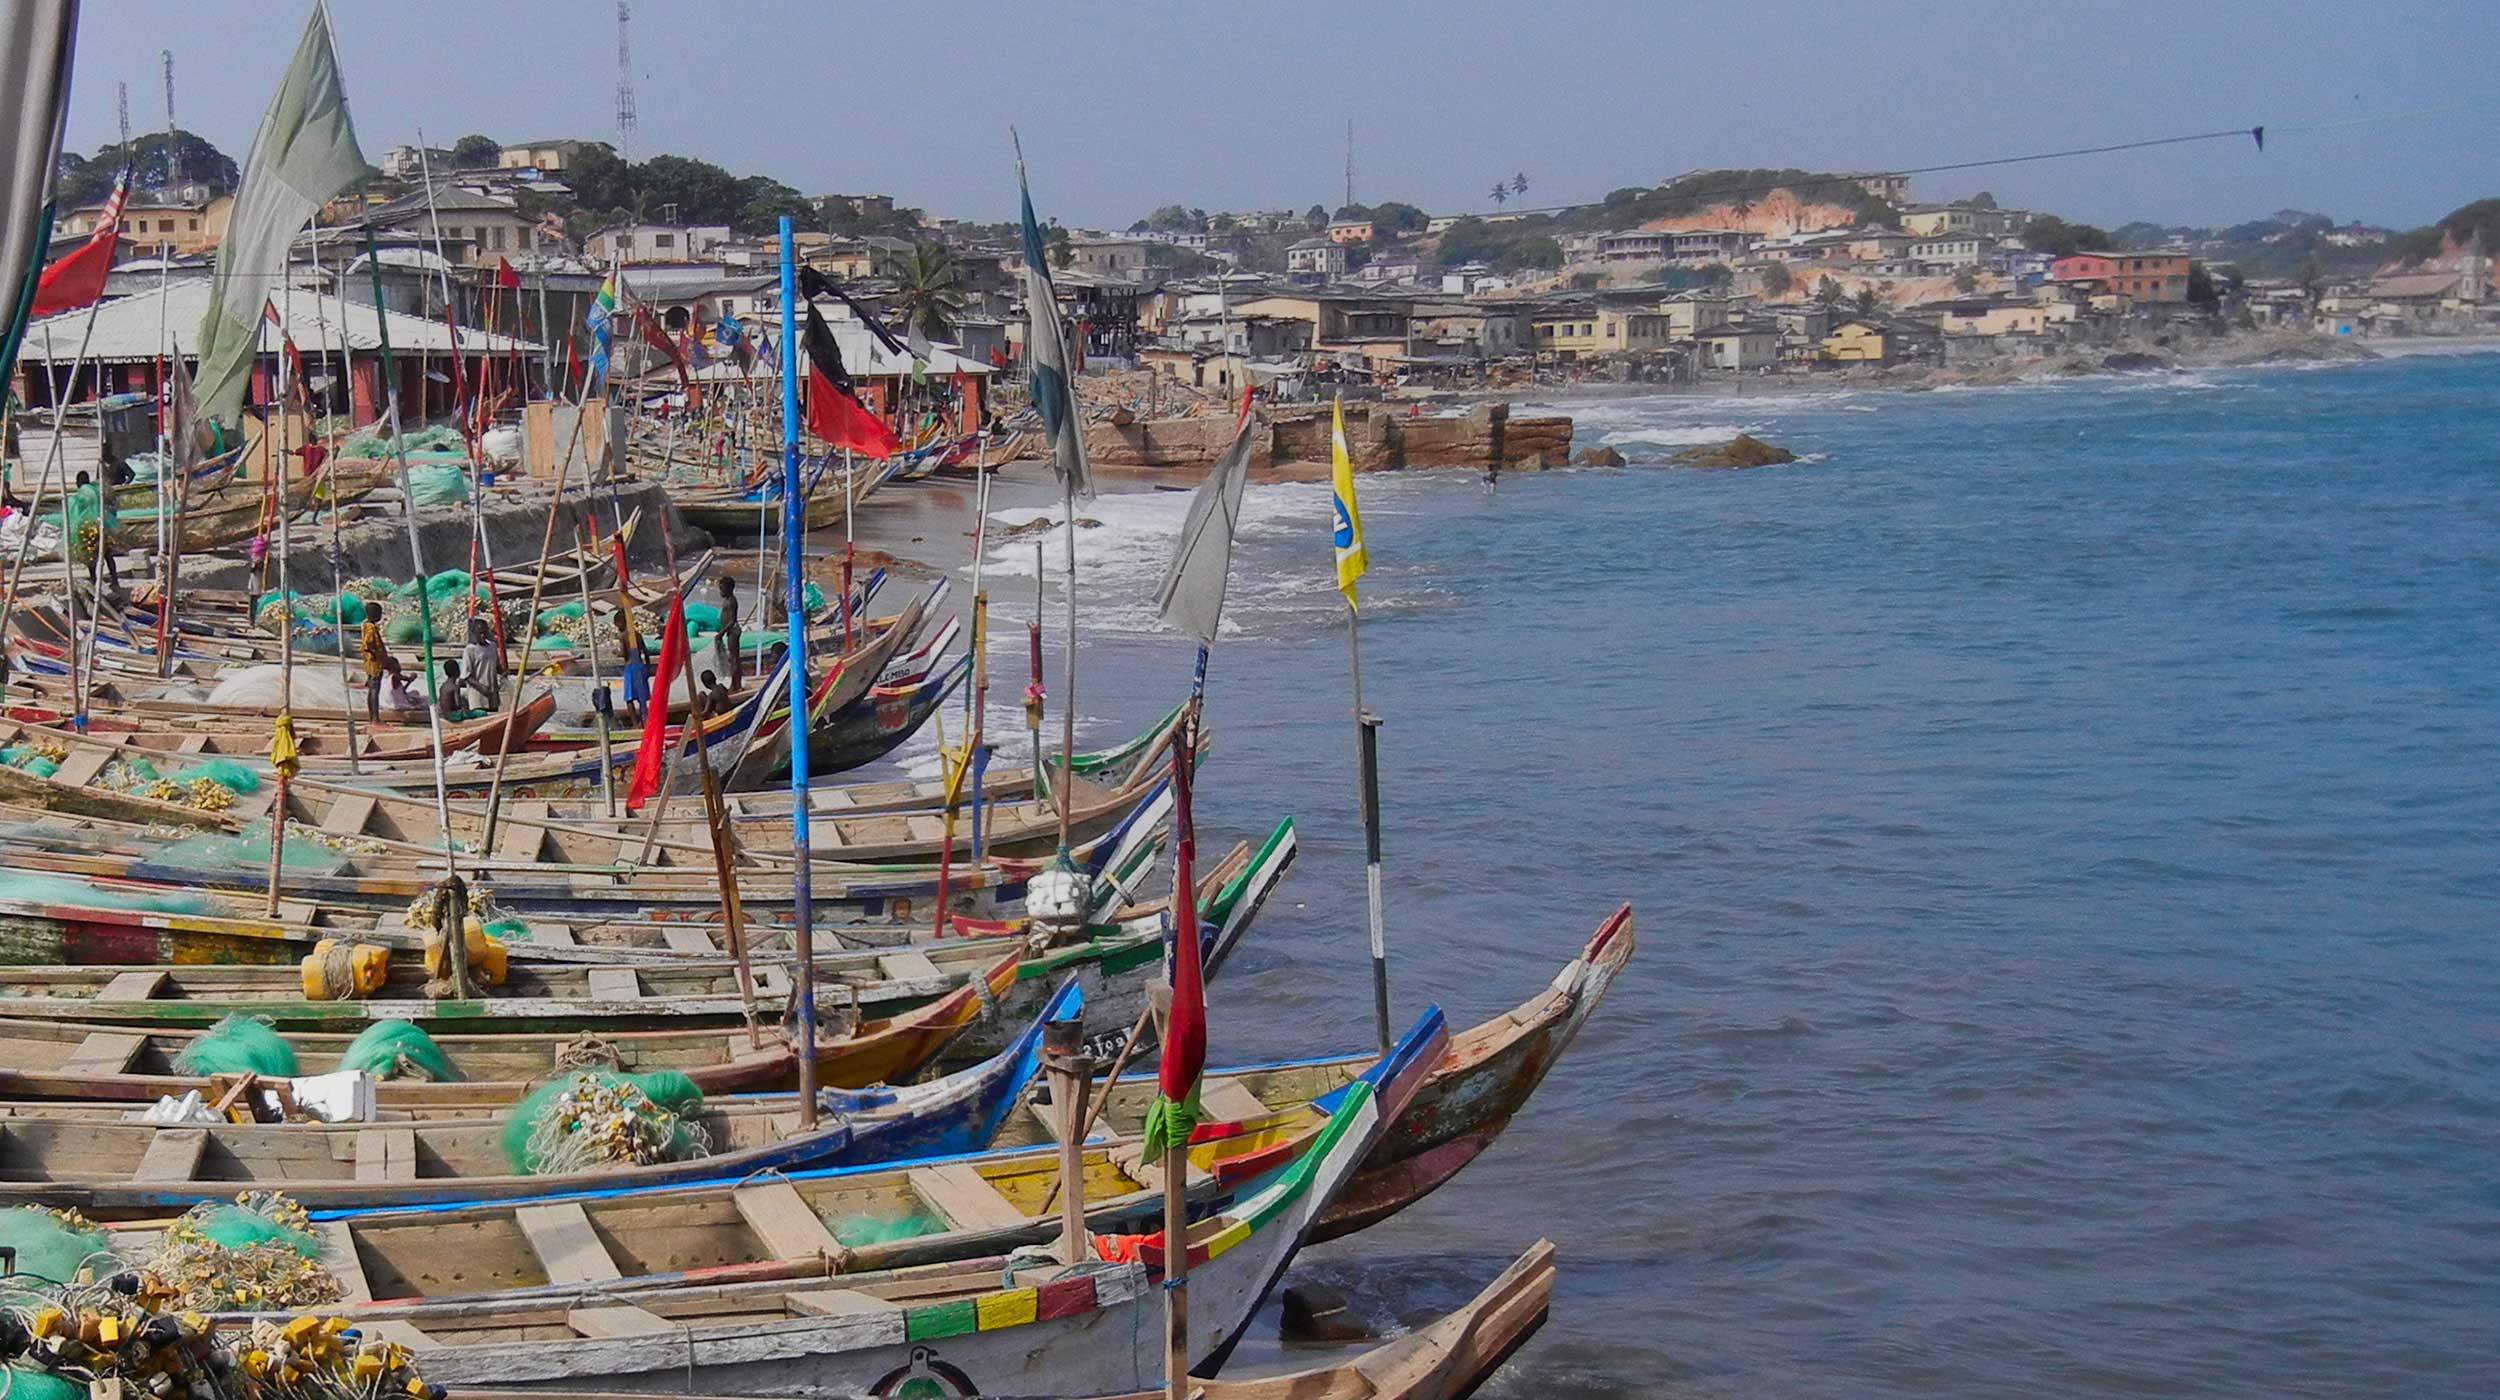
pixel 1739 277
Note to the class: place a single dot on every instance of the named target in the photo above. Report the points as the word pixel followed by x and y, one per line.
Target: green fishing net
pixel 239 1044
pixel 22 1384
pixel 258 1253
pixel 434 486
pixel 30 760
pixel 44 887
pixel 858 1231
pixel 51 1248
pixel 248 849
pixel 594 1118
pixel 399 1050
pixel 226 773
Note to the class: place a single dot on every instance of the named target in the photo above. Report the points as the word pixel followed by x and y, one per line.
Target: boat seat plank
pixel 615 984
pixel 567 1247
pixel 518 841
pixel 81 767
pixel 338 1255
pixel 686 938
pixel 102 1053
pixel 173 1155
pixel 407 1334
pixel 1226 1101
pixel 386 1154
pixel 134 986
pixel 906 964
pixel 840 1302
pixel 554 935
pixel 347 816
pixel 780 1217
pixel 618 1320
pixel 964 1199
pixel 192 743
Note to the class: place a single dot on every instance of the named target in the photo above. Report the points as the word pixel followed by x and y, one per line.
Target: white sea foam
pixel 1677 434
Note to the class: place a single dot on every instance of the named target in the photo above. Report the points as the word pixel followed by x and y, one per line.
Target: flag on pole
pixel 834 412
pixel 602 331
pixel 1047 358
pixel 657 337
pixel 1352 559
pixel 1175 1112
pixel 1192 596
pixel 814 284
pixel 78 278
pixel 650 760
pixel 304 153
pixel 505 277
pixel 286 342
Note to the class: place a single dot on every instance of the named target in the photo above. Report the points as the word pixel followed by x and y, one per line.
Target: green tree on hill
pixel 929 290
pixel 474 152
pixel 1776 279
pixel 1966 281
pixel 1868 303
pixel 1828 292
pixel 2054 236
pixel 88 179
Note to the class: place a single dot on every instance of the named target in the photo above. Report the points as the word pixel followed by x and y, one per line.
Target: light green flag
pixel 305 153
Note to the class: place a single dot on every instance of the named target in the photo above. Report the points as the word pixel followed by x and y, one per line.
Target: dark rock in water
pixel 1533 462
pixel 1743 450
pixel 2131 362
pixel 1087 522
pixel 1598 457
pixel 1314 1312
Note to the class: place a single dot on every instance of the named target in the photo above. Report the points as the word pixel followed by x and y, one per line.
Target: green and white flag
pixel 305 153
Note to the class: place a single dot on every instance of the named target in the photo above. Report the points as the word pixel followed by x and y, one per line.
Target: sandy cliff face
pixel 1778 212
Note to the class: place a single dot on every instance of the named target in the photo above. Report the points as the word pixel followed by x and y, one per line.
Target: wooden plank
pixel 567 1247
pixel 338 1255
pixel 964 1199
pixel 173 1155
pixel 615 984
pixel 386 1154
pixel 348 815
pixel 554 935
pixel 518 842
pixel 686 938
pixel 780 1217
pixel 102 1053
pixel 1226 1101
pixel 839 1302
pixel 134 986
pixel 618 1320
pixel 81 767
pixel 905 964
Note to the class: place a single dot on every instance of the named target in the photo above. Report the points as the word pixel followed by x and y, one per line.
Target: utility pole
pixel 625 120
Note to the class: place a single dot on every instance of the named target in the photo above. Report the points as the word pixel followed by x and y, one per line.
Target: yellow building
pixel 1858 342
pixel 157 227
pixel 1587 332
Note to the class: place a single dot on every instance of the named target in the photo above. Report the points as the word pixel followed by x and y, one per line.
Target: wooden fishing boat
pixel 605 1278
pixel 70 1060
pixel 118 1170
pixel 1447 1360
pixel 235 512
pixel 535 998
pixel 746 512
pixel 870 727
pixel 322 744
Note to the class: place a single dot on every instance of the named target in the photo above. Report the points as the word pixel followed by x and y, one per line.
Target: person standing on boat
pixel 483 662
pixel 637 680
pixel 732 640
pixel 377 658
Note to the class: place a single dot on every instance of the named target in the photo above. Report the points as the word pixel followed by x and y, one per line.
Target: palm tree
pixel 929 290
pixel 1501 193
pixel 1519 183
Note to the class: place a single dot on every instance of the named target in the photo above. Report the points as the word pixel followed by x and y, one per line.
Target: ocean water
pixel 2061 821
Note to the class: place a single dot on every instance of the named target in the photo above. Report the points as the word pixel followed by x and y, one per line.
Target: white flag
pixel 1192 596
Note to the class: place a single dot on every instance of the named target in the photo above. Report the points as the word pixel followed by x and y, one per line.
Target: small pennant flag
pixel 1192 596
pixel 1347 531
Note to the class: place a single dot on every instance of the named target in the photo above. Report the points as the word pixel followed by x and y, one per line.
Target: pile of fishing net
pixel 419 442
pixel 40 757
pixel 209 785
pixel 44 887
pixel 309 851
pixel 256 1254
pixel 77 521
pixel 75 1323
pixel 268 687
pixel 399 1050
pixel 239 1044
pixel 594 1118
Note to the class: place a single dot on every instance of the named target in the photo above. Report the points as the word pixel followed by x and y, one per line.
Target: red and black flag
pixel 813 284
pixel 657 337
pixel 834 412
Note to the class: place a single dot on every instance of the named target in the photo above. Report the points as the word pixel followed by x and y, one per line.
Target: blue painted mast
pixel 793 537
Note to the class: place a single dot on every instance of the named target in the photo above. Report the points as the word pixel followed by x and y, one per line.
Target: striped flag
pixel 602 331
pixel 1347 535
pixel 1046 356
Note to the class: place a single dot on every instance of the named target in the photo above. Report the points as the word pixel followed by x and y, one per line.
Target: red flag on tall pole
pixel 1175 1111
pixel 78 278
pixel 650 758
pixel 834 413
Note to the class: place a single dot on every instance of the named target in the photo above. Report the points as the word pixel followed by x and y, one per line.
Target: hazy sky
pixel 2385 112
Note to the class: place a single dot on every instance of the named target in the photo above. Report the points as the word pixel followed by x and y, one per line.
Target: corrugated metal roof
pixel 137 328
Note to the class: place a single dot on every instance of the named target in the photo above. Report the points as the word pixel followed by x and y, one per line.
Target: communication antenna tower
pixel 173 152
pixel 123 99
pixel 624 84
pixel 1349 160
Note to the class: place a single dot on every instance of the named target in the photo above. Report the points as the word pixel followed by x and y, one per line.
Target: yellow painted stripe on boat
pixel 1014 1308
pixel 1232 1234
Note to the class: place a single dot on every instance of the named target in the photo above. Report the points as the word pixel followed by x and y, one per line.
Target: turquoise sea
pixel 2061 821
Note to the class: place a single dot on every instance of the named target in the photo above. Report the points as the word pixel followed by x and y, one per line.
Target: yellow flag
pixel 1348 537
